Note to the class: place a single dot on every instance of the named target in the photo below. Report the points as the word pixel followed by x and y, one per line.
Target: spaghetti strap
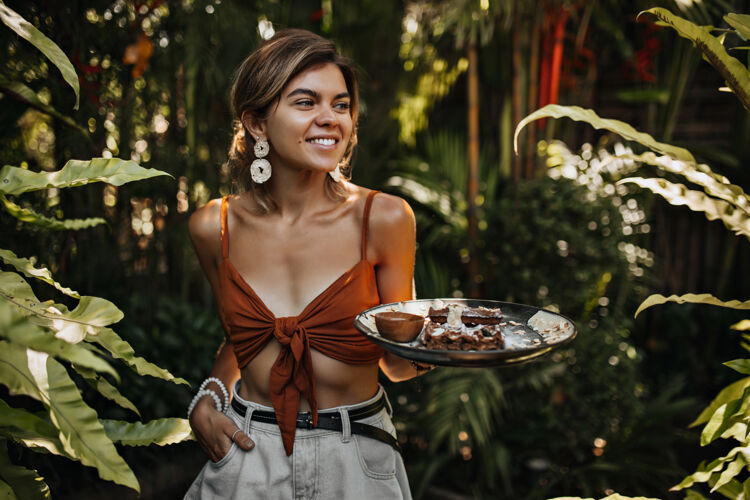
pixel 365 222
pixel 224 229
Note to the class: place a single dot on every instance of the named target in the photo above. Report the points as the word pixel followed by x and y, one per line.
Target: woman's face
pixel 311 125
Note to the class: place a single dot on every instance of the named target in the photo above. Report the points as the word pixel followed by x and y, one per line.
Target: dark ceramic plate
pixel 530 332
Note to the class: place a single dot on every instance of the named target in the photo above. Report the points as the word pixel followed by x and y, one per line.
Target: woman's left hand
pixel 215 432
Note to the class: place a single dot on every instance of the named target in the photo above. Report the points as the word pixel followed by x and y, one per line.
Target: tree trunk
pixel 473 164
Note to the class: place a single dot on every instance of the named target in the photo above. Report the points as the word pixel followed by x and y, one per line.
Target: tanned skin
pixel 293 254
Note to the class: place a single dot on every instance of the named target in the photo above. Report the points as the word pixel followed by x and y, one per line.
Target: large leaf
pixel 30 430
pixel 120 349
pixel 714 209
pixel 702 475
pixel 87 321
pixel 732 70
pixel 730 393
pixel 733 468
pixel 26 30
pixel 15 181
pixel 35 374
pixel 725 417
pixel 26 483
pixel 701 174
pixel 18 329
pixel 26 267
pixel 106 389
pixel 31 217
pixel 22 93
pixel 702 298
pixel 618 127
pixel 740 22
pixel 71 326
pixel 161 432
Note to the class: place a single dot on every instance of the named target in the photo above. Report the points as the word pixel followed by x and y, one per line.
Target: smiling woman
pixel 292 258
pixel 257 93
pixel 309 127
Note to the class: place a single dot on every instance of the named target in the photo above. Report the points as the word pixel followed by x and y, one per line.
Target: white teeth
pixel 324 142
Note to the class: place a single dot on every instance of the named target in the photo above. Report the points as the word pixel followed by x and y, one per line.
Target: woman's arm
pixel 213 429
pixel 393 237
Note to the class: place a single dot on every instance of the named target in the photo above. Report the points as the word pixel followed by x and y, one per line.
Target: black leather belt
pixel 331 421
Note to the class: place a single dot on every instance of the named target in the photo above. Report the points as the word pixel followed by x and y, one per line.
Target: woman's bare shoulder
pixel 204 226
pixel 390 212
pixel 392 228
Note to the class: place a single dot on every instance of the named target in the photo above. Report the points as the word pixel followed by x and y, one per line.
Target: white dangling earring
pixel 336 173
pixel 260 169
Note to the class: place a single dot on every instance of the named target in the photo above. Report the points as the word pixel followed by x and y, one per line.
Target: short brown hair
pixel 257 86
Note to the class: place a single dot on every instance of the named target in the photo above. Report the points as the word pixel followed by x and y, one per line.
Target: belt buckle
pixel 305 421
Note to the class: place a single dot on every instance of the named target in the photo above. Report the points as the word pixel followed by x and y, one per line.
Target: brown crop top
pixel 326 324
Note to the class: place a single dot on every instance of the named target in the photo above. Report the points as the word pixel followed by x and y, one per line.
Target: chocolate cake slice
pixel 462 338
pixel 470 316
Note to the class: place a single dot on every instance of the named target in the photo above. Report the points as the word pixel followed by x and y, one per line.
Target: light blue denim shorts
pixel 325 464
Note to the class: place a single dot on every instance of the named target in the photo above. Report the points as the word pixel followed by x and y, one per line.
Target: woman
pixel 291 260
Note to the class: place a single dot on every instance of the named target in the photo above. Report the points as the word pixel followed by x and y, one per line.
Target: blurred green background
pixel 609 412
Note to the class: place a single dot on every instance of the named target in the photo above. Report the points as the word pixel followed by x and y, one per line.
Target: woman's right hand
pixel 214 430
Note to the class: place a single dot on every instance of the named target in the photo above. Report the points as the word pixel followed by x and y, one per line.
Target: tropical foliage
pixel 718 199
pixel 553 227
pixel 46 345
pixel 487 429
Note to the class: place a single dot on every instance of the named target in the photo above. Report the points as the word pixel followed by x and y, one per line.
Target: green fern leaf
pixel 16 328
pixel 15 181
pixel 161 432
pixel 71 326
pixel 700 174
pixel 104 388
pixel 730 393
pixel 30 430
pixel 31 217
pixel 21 92
pixel 702 298
pixel 713 209
pixel 121 350
pixel 26 30
pixel 618 127
pixel 26 267
pixel 26 483
pixel 39 376
pixel 732 70
pixel 740 22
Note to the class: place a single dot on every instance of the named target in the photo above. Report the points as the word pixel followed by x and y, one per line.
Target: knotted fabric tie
pixel 291 377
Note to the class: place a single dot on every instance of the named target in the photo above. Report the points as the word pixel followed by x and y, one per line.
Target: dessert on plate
pixel 458 328
pixel 471 316
pixel 462 338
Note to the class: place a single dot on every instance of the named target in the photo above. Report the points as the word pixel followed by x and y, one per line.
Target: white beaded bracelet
pixel 223 388
pixel 199 396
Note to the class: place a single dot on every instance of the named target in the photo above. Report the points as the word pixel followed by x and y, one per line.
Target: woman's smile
pixel 310 127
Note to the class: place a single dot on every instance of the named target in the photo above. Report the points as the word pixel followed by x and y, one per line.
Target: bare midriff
pixel 336 383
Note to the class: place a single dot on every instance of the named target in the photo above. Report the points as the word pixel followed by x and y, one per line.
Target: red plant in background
pixel 552 56
pixel 582 61
pixel 641 66
pixel 90 86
